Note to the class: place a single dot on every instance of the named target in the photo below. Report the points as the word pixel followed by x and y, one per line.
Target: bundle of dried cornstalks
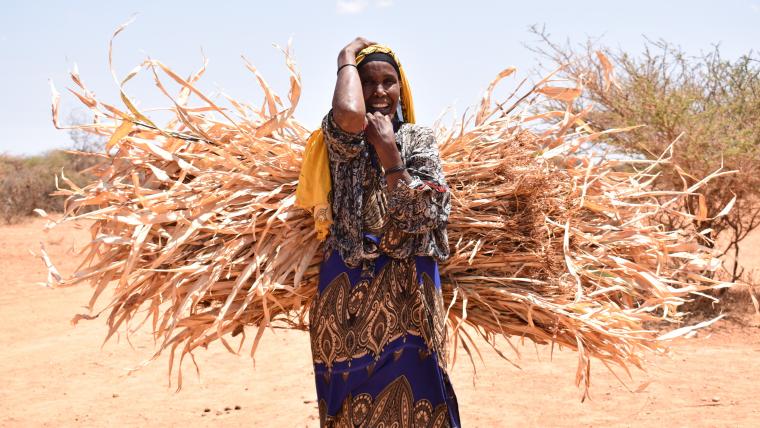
pixel 195 228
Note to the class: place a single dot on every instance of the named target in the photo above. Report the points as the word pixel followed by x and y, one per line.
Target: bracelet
pixel 345 65
pixel 398 168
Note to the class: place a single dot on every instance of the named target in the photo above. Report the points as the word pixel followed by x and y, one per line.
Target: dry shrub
pixel 707 104
pixel 28 182
pixel 740 304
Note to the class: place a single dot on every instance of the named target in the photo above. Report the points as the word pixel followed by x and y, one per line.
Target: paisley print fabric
pixel 412 217
pixel 350 322
pixel 393 407
pixel 378 344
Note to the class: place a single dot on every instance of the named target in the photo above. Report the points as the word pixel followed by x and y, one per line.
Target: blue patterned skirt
pixel 378 345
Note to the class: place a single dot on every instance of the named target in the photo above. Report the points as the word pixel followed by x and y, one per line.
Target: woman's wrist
pixel 386 150
pixel 391 160
pixel 346 56
pixel 399 167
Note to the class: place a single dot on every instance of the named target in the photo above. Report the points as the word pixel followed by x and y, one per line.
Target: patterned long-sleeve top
pixel 410 219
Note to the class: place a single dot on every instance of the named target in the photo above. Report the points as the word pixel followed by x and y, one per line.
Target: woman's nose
pixel 379 90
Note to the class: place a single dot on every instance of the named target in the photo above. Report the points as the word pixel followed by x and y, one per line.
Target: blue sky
pixel 450 49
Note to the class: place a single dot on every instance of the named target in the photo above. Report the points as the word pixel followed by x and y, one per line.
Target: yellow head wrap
pixel 314 180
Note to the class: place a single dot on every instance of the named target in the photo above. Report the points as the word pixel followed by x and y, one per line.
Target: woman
pixel 377 325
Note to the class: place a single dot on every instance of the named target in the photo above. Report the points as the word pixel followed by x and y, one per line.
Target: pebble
pixel 715 399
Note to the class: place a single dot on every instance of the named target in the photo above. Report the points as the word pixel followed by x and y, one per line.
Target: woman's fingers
pixel 379 129
pixel 371 122
pixel 373 128
pixel 377 119
pixel 365 42
pixel 360 43
pixel 348 53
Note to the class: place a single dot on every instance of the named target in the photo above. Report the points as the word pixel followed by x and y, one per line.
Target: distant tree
pixel 85 147
pixel 709 104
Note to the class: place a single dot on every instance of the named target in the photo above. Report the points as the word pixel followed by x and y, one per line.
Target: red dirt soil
pixel 54 374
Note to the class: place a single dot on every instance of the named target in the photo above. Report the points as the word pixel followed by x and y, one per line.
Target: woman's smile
pixel 383 107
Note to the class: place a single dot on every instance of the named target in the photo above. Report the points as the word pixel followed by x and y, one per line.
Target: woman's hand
pixel 348 54
pixel 379 133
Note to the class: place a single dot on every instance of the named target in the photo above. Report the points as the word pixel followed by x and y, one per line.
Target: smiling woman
pixel 377 325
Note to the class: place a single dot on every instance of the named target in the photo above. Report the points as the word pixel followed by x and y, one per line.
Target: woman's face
pixel 380 84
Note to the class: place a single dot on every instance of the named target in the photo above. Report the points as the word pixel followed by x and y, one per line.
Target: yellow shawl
pixel 314 180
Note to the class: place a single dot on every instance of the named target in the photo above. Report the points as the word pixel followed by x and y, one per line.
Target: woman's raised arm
pixel 348 98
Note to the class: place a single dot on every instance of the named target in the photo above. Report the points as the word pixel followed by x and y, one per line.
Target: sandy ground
pixel 54 374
